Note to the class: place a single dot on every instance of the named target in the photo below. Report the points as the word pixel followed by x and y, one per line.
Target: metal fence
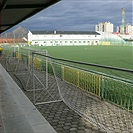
pixel 97 96
pixel 100 97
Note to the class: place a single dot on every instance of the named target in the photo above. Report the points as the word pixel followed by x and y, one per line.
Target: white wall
pixel 64 39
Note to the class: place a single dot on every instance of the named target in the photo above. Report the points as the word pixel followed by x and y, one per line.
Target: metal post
pixel 16 54
pixel 62 72
pixel 29 61
pixel 132 103
pixel 13 51
pixel 78 77
pixel 102 88
pixel 33 80
pixel 46 72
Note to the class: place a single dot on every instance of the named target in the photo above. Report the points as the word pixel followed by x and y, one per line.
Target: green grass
pixel 118 56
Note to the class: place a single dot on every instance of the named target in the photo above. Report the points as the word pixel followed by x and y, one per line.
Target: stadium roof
pixel 65 32
pixel 13 12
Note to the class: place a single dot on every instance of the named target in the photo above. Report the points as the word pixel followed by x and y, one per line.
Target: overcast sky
pixel 80 15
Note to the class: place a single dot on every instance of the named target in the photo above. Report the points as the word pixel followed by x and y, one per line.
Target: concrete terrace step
pixel 17 113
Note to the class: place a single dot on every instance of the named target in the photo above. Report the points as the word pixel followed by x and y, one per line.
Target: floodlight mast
pixel 123 20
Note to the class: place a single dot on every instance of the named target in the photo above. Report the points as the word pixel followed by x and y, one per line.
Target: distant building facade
pixel 128 29
pixel 60 38
pixel 104 27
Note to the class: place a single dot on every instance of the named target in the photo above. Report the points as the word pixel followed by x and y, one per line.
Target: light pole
pixel 13 37
pixel 14 44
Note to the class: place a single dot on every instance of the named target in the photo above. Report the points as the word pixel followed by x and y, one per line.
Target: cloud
pixel 79 15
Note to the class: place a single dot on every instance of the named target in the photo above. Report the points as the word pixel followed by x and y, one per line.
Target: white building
pixel 128 29
pixel 59 38
pixel 104 27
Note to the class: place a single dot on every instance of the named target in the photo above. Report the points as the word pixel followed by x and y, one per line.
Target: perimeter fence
pixel 114 89
pixel 100 97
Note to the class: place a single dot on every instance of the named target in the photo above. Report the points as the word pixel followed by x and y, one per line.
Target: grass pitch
pixel 117 56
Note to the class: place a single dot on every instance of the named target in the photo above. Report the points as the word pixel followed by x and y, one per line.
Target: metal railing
pixel 87 91
pixel 114 89
pixel 78 85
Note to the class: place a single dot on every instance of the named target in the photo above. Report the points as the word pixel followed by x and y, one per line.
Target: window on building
pixel 103 28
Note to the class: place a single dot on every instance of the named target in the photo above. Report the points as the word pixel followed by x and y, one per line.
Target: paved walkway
pixel 102 113
pixel 17 113
pixel 72 114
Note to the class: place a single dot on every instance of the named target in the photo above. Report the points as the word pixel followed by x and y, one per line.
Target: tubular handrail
pixel 96 72
pixel 85 63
